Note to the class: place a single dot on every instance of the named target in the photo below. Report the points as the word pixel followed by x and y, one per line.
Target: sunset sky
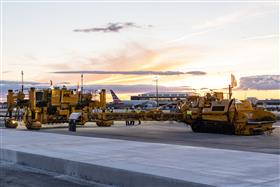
pixel 215 37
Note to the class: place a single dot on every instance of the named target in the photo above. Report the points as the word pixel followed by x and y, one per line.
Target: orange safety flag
pixel 233 81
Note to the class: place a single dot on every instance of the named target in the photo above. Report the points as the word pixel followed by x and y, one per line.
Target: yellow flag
pixel 233 81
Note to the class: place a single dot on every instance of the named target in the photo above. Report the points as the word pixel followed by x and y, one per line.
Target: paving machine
pixel 47 106
pixel 210 113
pixel 214 114
pixel 98 107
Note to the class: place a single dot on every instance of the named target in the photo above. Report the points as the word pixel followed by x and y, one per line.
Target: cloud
pixel 196 73
pixel 132 57
pixel 111 27
pixel 219 23
pixel 57 66
pixel 138 88
pixel 209 26
pixel 133 64
pixel 262 37
pixel 16 85
pixel 120 89
pixel 30 57
pixel 62 83
pixel 5 72
pixel 8 82
pixel 260 82
pixel 222 20
pixel 187 36
pixel 166 73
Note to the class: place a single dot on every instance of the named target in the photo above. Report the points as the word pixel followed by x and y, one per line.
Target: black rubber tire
pixel 28 126
pixel 100 124
pixel 204 127
pixel 10 126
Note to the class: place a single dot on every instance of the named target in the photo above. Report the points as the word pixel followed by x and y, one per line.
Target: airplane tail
pixel 115 97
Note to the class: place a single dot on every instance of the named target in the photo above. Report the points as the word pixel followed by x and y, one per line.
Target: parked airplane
pixel 122 104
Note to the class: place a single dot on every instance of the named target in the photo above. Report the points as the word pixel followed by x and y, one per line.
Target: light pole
pixel 82 83
pixel 82 87
pixel 156 79
pixel 22 81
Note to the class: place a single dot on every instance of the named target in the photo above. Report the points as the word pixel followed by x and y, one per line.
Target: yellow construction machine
pixel 47 106
pixel 214 114
pixel 15 103
pixel 210 113
pixel 86 114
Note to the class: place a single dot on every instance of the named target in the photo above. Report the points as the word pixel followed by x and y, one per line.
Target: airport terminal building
pixel 163 97
pixel 270 104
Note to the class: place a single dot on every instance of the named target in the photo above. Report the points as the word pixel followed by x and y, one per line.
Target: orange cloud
pixel 133 57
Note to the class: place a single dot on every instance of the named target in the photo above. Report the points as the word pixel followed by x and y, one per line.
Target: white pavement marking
pixel 210 166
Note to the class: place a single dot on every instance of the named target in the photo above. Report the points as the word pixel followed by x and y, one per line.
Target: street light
pixel 82 83
pixel 82 87
pixel 156 79
pixel 22 81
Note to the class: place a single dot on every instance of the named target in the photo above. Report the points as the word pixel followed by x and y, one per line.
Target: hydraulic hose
pixel 230 103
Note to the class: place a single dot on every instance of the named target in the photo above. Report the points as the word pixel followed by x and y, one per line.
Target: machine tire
pixel 103 124
pixel 30 125
pixel 204 127
pixel 195 126
pixel 9 124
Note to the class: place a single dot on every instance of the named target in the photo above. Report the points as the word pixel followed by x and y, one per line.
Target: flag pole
pixel 229 91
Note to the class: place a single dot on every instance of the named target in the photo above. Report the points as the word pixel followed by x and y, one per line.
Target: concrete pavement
pixel 14 175
pixel 176 133
pixel 130 163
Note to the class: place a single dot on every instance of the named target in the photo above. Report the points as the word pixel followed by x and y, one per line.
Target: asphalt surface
pixel 12 175
pixel 177 133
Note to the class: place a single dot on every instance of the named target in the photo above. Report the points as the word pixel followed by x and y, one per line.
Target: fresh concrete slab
pixel 15 175
pixel 131 163
pixel 175 133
